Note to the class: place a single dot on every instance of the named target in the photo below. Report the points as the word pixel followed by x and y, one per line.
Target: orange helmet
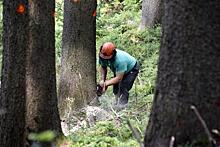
pixel 107 50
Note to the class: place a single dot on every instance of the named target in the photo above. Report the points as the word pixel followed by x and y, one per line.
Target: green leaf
pixel 45 136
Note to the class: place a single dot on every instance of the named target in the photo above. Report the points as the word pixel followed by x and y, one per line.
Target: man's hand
pixel 103 85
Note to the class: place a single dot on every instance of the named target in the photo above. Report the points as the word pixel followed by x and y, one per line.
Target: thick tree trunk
pixel 78 64
pixel 12 101
pixel 188 73
pixel 41 105
pixel 152 11
pixel 28 92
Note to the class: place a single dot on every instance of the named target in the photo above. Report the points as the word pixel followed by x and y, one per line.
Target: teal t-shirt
pixel 123 62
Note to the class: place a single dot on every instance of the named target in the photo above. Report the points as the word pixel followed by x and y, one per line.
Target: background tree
pixel 152 11
pixel 41 104
pixel 78 63
pixel 12 101
pixel 188 73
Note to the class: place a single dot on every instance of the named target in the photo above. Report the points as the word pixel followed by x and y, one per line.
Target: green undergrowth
pixel 104 134
pixel 116 132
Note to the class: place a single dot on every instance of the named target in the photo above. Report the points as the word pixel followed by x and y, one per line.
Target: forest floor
pixel 106 126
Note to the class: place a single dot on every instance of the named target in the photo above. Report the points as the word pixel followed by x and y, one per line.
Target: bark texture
pixel 12 100
pixel 78 64
pixel 188 73
pixel 41 104
pixel 28 92
pixel 152 11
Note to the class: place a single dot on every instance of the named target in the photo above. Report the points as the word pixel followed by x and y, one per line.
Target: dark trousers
pixel 121 90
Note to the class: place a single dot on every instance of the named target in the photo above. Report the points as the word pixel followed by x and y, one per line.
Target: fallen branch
pixel 115 113
pixel 204 125
pixel 135 134
pixel 172 141
pixel 216 132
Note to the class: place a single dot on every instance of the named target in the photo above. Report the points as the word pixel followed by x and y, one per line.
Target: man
pixel 125 69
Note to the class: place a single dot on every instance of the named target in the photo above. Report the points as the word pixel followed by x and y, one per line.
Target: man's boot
pixel 123 99
pixel 121 103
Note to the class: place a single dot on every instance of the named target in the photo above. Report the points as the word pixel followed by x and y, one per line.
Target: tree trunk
pixel 188 73
pixel 28 92
pixel 41 106
pixel 12 102
pixel 78 64
pixel 152 11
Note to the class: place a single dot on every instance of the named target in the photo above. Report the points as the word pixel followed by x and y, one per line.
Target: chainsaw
pixel 99 90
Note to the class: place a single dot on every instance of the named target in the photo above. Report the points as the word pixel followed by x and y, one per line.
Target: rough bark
pixel 28 92
pixel 41 104
pixel 12 102
pixel 78 64
pixel 188 73
pixel 152 11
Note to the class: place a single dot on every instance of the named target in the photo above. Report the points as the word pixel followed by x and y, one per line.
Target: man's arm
pixel 114 80
pixel 103 71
